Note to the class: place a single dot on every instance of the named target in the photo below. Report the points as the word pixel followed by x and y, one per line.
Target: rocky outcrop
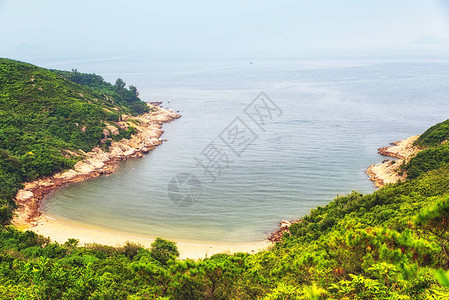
pixel 96 162
pixel 284 227
pixel 388 171
pixel 403 149
pixel 156 103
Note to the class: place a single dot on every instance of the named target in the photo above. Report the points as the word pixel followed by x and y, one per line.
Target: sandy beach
pixel 61 230
pixel 387 171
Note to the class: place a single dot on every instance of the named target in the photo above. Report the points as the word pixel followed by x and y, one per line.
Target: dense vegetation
pixel 45 119
pixel 127 98
pixel 429 159
pixel 435 135
pixel 436 152
pixel 391 244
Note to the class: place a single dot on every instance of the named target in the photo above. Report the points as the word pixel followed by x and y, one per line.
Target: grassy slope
pixel 435 154
pixel 434 135
pixel 387 244
pixel 42 114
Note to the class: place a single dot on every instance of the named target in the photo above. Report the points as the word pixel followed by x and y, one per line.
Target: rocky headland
pixel 388 171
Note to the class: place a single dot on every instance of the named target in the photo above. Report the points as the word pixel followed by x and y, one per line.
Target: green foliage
pixel 427 160
pixel 442 277
pixel 435 135
pixel 127 99
pixel 284 292
pixel 119 85
pixel 11 176
pixel 46 117
pixel 162 250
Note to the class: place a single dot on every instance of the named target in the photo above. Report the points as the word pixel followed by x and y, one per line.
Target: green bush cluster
pixel 428 159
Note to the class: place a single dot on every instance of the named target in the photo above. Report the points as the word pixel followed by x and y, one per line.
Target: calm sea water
pixel 336 113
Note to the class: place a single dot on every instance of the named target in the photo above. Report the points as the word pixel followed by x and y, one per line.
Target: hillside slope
pixel 47 121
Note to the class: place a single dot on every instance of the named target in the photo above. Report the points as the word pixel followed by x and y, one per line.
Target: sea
pixel 260 140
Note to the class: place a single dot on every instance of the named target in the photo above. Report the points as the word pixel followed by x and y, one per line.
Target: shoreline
pixel 60 230
pixel 28 215
pixel 97 162
pixel 380 174
pixel 386 172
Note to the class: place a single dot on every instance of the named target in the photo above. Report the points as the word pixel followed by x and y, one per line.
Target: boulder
pixel 112 129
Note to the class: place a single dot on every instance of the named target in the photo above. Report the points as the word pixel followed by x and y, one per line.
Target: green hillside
pixel 44 113
pixel 391 244
pixel 435 135
pixel 436 152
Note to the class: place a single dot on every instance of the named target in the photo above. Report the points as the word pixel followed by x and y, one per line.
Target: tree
pixel 133 90
pixel 119 84
pixel 435 220
pixel 163 250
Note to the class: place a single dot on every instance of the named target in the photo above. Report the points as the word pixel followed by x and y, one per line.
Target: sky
pixel 200 28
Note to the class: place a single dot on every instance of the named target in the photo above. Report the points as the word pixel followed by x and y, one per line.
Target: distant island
pixel 65 126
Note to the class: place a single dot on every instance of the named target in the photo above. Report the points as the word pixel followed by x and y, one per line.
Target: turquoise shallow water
pixel 336 113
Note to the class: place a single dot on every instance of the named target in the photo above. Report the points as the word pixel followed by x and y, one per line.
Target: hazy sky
pixel 226 28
